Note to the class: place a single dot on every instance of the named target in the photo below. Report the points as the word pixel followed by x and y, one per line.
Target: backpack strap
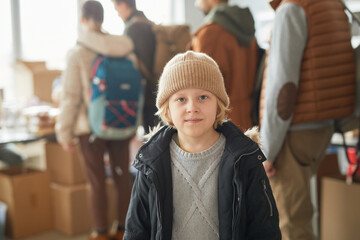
pixel 350 175
pixel 338 125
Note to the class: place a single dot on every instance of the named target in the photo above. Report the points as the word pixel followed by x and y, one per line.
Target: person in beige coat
pixel 72 126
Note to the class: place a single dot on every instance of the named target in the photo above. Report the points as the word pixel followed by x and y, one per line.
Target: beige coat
pixel 75 88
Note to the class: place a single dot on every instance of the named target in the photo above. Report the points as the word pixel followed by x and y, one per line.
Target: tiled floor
pixel 36 159
pixel 53 235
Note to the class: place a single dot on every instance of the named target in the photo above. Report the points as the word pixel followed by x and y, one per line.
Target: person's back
pixel 309 82
pixel 228 37
pixel 76 79
pixel 72 126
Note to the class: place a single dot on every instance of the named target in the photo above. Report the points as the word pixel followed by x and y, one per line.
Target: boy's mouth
pixel 193 120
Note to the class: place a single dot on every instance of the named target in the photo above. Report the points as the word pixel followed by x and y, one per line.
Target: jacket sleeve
pixel 106 44
pixel 138 223
pixel 261 211
pixel 288 41
pixel 71 99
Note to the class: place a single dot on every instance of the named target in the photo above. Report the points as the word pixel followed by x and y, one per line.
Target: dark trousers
pixel 93 157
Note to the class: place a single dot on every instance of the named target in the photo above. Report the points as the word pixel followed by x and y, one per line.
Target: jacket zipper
pixel 234 188
pixel 267 197
pixel 158 211
pixel 159 214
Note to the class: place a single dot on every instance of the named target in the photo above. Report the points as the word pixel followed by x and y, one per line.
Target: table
pixel 22 136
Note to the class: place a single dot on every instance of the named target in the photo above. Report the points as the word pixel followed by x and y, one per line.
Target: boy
pixel 199 177
pixel 72 122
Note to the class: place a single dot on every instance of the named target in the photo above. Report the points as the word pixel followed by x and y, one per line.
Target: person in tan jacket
pixel 72 124
pixel 228 37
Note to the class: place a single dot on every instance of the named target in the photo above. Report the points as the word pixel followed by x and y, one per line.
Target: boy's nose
pixel 192 106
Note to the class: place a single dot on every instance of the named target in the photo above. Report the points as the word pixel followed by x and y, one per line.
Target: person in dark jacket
pixel 139 29
pixel 199 176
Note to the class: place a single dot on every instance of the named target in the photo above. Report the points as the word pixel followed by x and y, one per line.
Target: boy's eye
pixel 203 97
pixel 181 99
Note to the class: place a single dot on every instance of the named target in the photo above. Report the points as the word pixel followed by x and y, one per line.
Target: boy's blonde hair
pixel 222 110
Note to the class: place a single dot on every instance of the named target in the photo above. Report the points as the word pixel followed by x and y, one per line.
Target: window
pixel 6 54
pixel 157 11
pixel 44 30
pixel 48 30
pixel 112 22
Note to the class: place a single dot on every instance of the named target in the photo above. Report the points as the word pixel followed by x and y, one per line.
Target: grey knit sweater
pixel 195 201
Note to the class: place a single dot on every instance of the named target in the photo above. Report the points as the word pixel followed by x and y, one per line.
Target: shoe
pixel 118 235
pixel 97 236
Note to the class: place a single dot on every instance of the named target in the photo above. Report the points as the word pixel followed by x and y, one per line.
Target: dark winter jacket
pixel 246 205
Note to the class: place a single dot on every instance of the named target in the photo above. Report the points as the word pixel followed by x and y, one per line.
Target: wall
pixel 193 16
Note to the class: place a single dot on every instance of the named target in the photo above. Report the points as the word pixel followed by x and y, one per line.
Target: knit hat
pixel 191 70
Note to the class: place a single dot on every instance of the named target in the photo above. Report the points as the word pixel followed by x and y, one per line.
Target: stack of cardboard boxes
pixel 338 200
pixel 340 208
pixel 69 191
pixel 34 79
pixel 26 193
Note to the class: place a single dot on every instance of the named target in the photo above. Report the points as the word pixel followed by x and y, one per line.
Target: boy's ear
pixel 168 116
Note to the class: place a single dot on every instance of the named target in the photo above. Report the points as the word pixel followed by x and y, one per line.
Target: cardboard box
pixel 35 79
pixel 340 209
pixel 26 192
pixel 71 209
pixel 64 167
pixel 72 213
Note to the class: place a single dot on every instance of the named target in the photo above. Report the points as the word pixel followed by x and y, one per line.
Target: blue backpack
pixel 116 98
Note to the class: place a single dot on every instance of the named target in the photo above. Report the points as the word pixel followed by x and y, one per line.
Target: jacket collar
pixel 153 160
pixel 235 138
pixel 238 21
pixel 135 13
pixel 158 144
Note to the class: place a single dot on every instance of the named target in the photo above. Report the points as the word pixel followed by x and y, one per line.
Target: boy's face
pixel 193 112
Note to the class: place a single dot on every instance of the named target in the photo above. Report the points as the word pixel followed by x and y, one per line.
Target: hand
pixel 269 168
pixel 68 147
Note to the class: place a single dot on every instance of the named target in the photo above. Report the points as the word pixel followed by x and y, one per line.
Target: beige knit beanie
pixel 191 70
